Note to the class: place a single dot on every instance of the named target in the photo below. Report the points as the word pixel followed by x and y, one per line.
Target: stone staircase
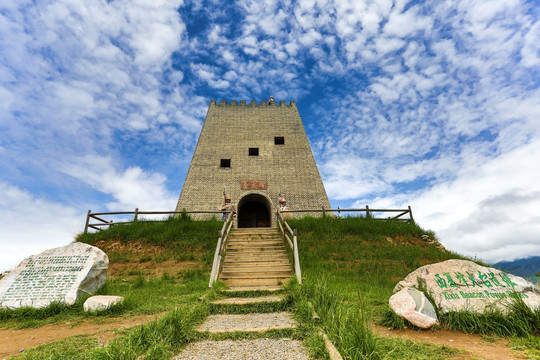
pixel 255 258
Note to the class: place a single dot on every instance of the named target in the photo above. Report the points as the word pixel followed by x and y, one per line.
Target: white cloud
pixel 490 209
pixel 385 45
pixel 130 188
pixel 31 225
pixel 530 53
pixel 404 24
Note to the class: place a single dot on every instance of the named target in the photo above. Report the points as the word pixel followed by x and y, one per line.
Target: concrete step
pixel 256 264
pixel 255 274
pixel 255 249
pixel 251 258
pixel 246 301
pixel 255 229
pixel 259 276
pixel 255 282
pixel 255 240
pixel 256 252
pixel 256 267
pixel 269 288
pixel 247 242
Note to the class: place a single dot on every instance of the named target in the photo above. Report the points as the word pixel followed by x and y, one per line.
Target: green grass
pixel 345 325
pixel 179 234
pixel 529 344
pixel 520 321
pixel 356 256
pixel 142 295
pixel 74 347
pixel 159 339
pixel 266 307
pixel 399 349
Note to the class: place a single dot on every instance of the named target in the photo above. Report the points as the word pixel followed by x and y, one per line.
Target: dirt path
pixel 12 341
pixel 474 345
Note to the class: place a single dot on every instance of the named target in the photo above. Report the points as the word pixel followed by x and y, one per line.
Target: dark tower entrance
pixel 254 211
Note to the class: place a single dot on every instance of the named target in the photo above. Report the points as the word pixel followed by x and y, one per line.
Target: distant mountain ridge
pixel 526 267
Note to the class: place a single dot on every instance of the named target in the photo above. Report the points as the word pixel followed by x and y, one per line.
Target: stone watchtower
pixel 253 152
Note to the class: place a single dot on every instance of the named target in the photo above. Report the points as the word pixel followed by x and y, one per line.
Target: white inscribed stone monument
pixel 456 285
pixel 62 274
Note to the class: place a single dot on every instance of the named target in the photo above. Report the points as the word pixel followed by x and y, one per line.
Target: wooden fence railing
pixel 102 222
pixel 367 210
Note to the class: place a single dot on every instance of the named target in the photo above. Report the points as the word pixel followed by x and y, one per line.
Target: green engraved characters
pixel 480 280
pixel 507 280
pixel 450 281
pixel 441 282
pixel 461 279
pixel 484 279
pixel 494 280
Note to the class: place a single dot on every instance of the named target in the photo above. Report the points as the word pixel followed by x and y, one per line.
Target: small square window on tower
pixel 225 163
pixel 279 140
pixel 253 151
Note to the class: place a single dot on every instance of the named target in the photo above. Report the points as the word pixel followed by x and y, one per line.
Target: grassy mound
pixel 363 256
pixel 349 266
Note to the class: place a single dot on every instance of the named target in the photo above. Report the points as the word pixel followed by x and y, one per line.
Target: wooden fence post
pixel 87 221
pixel 323 212
pixel 410 213
pixel 367 212
pixel 136 217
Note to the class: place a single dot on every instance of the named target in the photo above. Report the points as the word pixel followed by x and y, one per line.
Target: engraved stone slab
pixel 254 185
pixel 414 306
pixel 101 302
pixel 457 285
pixel 62 274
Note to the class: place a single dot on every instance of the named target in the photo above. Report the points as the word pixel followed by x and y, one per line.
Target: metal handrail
pixel 223 236
pixel 293 244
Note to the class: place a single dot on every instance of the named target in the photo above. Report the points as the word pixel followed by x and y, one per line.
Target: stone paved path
pixel 255 349
pixel 259 349
pixel 248 322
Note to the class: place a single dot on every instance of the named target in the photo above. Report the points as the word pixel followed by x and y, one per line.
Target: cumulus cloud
pixel 403 101
pixel 32 224
pixel 488 210
pixel 130 188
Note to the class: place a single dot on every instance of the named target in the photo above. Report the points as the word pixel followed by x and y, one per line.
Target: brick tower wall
pixel 228 132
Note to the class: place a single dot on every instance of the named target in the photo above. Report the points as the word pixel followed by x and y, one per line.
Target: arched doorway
pixel 254 211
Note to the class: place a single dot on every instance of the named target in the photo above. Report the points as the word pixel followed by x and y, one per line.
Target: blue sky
pixel 430 104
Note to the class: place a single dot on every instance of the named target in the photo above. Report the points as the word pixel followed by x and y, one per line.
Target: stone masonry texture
pixel 228 132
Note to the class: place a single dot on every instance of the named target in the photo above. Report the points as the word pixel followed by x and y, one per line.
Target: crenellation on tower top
pixel 251 103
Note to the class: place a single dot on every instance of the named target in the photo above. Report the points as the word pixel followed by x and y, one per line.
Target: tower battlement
pixel 251 103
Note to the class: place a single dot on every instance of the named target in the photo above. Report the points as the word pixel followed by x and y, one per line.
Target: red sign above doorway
pixel 253 185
